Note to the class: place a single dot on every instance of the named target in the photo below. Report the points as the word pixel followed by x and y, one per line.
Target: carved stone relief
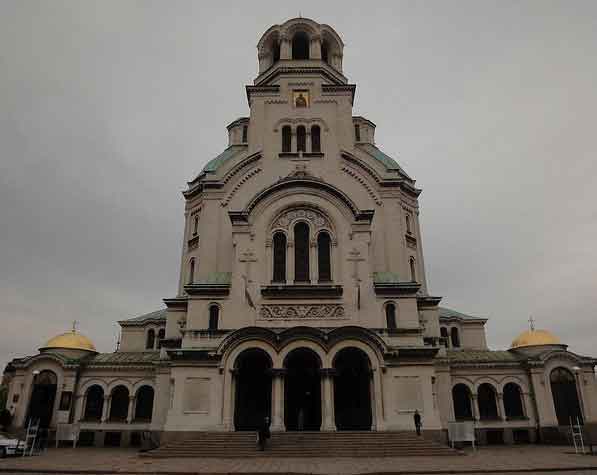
pixel 316 219
pixel 301 312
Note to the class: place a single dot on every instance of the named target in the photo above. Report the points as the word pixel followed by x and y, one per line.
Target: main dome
pixel 71 340
pixel 535 338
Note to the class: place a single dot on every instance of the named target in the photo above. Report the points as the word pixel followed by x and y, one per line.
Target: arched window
pixel 279 245
pixel 565 396
pixel 324 257
pixel 144 403
pixel 413 274
pixel 300 46
pixel 461 398
pixel 325 51
pixel 391 316
pixel 286 139
pixel 150 341
pixel 161 336
pixel 214 316
pixel 357 132
pixel 195 225
pixel 408 227
pixel 513 401
pixel 192 271
pixel 245 133
pixel 301 252
pixel 315 139
pixel 94 403
pixel 487 402
pixel 455 337
pixel 276 51
pixel 119 404
pixel 301 139
pixel 443 331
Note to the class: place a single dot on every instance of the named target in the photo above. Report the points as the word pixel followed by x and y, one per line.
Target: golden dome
pixel 70 341
pixel 535 338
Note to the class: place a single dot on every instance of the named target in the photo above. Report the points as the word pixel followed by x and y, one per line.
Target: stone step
pixel 303 444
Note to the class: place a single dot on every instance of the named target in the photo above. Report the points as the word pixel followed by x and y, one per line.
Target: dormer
pixel 300 42
pixel 364 130
pixel 238 132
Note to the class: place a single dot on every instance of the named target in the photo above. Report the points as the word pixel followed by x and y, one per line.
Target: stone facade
pixel 302 267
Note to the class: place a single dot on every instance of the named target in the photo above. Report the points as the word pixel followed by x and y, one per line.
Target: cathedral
pixel 302 297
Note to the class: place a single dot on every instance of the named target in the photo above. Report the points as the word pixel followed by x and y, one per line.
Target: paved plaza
pixel 484 460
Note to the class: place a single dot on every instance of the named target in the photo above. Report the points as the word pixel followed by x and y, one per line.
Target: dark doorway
pixel 513 401
pixel 486 398
pixel 41 405
pixel 302 391
pixel 253 400
pixel 565 397
pixel 461 399
pixel 352 390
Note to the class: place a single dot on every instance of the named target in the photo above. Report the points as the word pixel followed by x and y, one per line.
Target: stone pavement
pixel 484 460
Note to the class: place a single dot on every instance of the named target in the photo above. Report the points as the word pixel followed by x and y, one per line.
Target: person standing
pixel 418 423
pixel 263 434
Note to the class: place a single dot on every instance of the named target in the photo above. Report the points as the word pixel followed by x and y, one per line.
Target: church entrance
pixel 253 399
pixel 565 397
pixel 352 390
pixel 302 390
pixel 41 405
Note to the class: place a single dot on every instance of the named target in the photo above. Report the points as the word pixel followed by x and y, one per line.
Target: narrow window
pixel 300 46
pixel 413 274
pixel 161 336
pixel 301 139
pixel 150 341
pixel 214 316
pixel 325 52
pixel 324 257
pixel 301 252
pixel 119 404
pixel 286 139
pixel 315 139
pixel 192 271
pixel 276 51
pixel 487 402
pixel 391 316
pixel 245 133
pixel 408 228
pixel 357 132
pixel 195 225
pixel 279 245
pixel 443 331
pixel 455 337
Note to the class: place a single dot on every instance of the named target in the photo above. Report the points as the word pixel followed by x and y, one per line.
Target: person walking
pixel 418 423
pixel 263 434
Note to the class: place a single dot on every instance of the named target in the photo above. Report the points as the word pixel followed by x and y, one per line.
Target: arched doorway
pixel 253 398
pixel 461 399
pixel 486 398
pixel 302 390
pixel 41 405
pixel 565 396
pixel 352 390
pixel 513 401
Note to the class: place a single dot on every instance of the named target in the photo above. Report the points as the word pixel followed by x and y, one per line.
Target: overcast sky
pixel 108 108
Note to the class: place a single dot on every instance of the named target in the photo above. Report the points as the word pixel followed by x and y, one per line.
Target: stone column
pixel 285 47
pixel 315 47
pixel 106 408
pixel 81 404
pixel 269 260
pixel 290 260
pixel 228 398
pixel 500 406
pixel 313 261
pixel 376 402
pixel 278 399
pixel 475 407
pixel 327 400
pixel 130 414
pixel 308 148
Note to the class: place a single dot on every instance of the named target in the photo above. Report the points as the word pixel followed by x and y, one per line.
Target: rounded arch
pixel 316 217
pixel 324 255
pixel 119 403
pixel 513 401
pixel 279 248
pixel 306 343
pixel 301 45
pixel 367 341
pixel 214 311
pixel 352 389
pixel 565 396
pixel 390 311
pixel 144 398
pixel 93 382
pixel 94 402
pixel 43 397
pixel 487 400
pixel 462 401
pixel 302 389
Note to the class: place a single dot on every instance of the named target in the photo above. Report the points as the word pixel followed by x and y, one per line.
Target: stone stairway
pixel 304 444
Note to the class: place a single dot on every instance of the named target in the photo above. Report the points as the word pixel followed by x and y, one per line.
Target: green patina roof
pixel 449 313
pixel 385 277
pixel 221 159
pixel 480 356
pixel 386 160
pixel 124 358
pixel 156 315
pixel 216 278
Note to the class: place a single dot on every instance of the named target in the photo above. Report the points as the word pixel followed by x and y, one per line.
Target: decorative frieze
pixel 316 219
pixel 302 312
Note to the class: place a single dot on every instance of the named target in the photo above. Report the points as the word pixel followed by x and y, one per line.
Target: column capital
pixel 328 372
pixel 278 372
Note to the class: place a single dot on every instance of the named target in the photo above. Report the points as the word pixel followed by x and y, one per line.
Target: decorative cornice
pixel 404 289
pixel 214 290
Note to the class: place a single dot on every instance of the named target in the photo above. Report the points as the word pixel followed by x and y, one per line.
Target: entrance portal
pixel 41 405
pixel 302 391
pixel 565 397
pixel 352 390
pixel 253 389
